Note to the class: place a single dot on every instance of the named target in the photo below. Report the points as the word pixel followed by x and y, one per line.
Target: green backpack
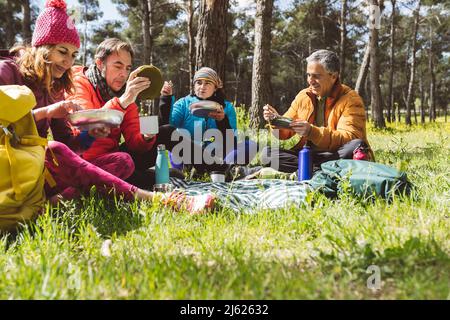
pixel 365 178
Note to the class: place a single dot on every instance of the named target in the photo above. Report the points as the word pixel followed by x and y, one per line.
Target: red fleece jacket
pixel 87 97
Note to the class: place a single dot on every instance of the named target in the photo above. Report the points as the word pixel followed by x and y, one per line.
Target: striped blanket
pixel 366 179
pixel 249 196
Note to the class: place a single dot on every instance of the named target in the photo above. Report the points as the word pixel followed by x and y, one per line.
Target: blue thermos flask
pixel 304 163
pixel 162 165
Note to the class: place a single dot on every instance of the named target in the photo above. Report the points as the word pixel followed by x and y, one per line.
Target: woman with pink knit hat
pixel 45 68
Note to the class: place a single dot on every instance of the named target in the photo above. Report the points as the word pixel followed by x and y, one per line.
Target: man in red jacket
pixel 110 83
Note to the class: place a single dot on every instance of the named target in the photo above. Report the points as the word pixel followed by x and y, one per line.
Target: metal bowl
pixel 281 122
pixel 204 107
pixel 88 119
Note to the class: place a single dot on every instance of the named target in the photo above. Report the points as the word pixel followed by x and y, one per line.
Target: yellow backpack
pixel 22 155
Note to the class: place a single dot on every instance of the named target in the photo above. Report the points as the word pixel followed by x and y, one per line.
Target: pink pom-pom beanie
pixel 54 26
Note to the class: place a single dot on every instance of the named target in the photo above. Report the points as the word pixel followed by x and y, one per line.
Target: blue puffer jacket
pixel 181 116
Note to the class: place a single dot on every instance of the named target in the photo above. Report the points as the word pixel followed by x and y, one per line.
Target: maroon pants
pixel 74 175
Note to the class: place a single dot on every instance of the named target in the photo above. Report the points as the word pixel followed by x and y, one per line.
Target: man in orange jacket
pixel 327 115
pixel 110 83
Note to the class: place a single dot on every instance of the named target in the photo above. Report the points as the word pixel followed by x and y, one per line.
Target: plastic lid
pixel 155 76
pixel 161 147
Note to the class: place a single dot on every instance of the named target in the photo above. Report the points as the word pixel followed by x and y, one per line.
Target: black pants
pixel 288 159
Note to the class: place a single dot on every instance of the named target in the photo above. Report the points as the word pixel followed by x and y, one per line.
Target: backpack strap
pixel 49 178
pixel 26 140
pixel 29 140
pixel 12 163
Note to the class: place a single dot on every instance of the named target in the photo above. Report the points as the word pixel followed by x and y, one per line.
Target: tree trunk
pixel 394 105
pixel 146 107
pixel 310 36
pixel 362 75
pixel 343 38
pixel 363 70
pixel 145 6
pixel 9 32
pixel 191 41
pixel 302 82
pixel 422 102
pixel 85 36
pixel 390 111
pixel 375 91
pixel 432 97
pixel 237 73
pixel 322 22
pixel 261 87
pixel 410 96
pixel 26 23
pixel 445 112
pixel 415 111
pixel 212 35
pixel 367 93
pixel 407 73
pixel 151 27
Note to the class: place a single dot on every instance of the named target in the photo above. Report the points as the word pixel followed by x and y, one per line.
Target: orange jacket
pixel 344 113
pixel 88 98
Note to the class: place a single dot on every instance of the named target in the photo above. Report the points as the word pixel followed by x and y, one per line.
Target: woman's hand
pixel 167 89
pixel 269 112
pixel 57 110
pixel 217 115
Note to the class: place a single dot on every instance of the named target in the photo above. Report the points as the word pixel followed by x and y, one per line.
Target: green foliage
pixel 163 14
pixel 108 29
pixel 11 22
pixel 239 57
pixel 85 14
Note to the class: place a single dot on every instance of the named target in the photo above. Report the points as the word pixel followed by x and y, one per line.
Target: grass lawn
pixel 317 252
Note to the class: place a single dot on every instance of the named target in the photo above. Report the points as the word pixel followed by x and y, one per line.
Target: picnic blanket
pixel 249 196
pixel 365 179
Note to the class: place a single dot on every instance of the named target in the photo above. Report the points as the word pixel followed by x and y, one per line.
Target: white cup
pixel 149 124
pixel 217 176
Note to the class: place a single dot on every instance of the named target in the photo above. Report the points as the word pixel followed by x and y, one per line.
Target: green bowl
pixel 155 76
